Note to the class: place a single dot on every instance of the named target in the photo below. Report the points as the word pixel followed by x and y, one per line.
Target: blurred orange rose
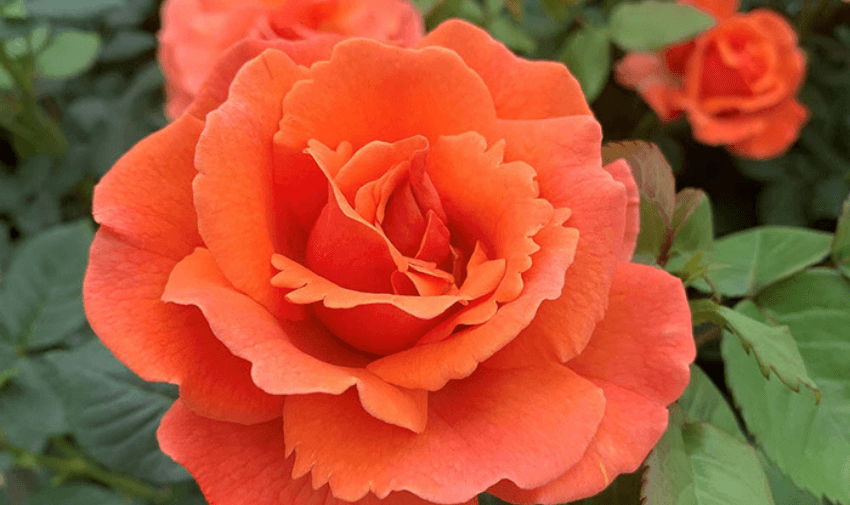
pixel 736 83
pixel 195 33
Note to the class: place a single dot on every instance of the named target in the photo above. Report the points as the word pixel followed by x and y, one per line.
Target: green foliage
pixel 587 54
pixel 112 413
pixel 650 25
pixel 761 256
pixel 695 463
pixel 704 402
pixel 69 53
pixel 841 243
pixel 792 427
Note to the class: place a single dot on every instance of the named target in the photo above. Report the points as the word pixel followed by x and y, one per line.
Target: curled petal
pixel 474 430
pixel 276 349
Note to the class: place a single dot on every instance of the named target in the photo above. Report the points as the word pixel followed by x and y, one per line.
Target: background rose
pixel 736 83
pixel 195 33
pixel 433 227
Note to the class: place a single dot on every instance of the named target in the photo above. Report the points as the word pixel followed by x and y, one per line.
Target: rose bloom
pixel 736 82
pixel 395 276
pixel 195 33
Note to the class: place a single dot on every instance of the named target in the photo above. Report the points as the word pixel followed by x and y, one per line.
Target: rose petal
pixel 489 201
pixel 621 173
pixel 570 178
pixel 645 343
pixel 630 429
pixel 214 91
pixel 146 199
pixel 274 347
pixel 237 464
pixel 166 342
pixel 431 365
pixel 639 356
pixel 521 89
pixel 233 190
pixel 783 124
pixel 494 425
pixel 369 91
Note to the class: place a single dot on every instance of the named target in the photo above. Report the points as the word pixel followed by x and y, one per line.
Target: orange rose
pixel 736 83
pixel 195 33
pixel 396 276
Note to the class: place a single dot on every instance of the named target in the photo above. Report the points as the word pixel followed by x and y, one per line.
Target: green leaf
pixel 30 411
pixel 624 490
pixel 113 414
pixel 41 295
pixel 773 346
pixel 76 494
pixel 68 54
pixel 587 54
pixel 697 464
pixel 653 232
pixel 810 443
pixel 70 9
pixel 783 489
pixel 841 242
pixel 704 402
pixel 652 173
pixel 651 25
pixel 503 29
pixel 761 256
pixel 14 28
pixel 693 232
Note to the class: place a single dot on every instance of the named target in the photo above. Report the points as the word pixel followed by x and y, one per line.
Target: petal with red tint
pixel 783 124
pixel 369 163
pixel 505 424
pixel 630 428
pixel 521 89
pixel 369 91
pixel 621 173
pixel 146 199
pixel 236 464
pixel 166 342
pixel 233 190
pixel 215 89
pixel 280 366
pixel 571 175
pixel 489 201
pixel 431 365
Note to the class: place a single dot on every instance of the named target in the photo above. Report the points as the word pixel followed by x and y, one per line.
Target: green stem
pixel 77 465
pixel 30 105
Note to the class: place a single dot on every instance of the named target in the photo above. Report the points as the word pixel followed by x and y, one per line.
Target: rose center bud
pixel 387 239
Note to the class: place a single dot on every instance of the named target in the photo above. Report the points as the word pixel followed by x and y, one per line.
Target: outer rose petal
pixel 492 425
pixel 783 127
pixel 621 173
pixel 521 89
pixel 277 348
pixel 166 342
pixel 639 356
pixel 217 85
pixel 369 91
pixel 234 193
pixel 146 198
pixel 237 464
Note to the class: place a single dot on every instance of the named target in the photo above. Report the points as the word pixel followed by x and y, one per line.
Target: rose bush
pixel 737 82
pixel 396 275
pixel 195 33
